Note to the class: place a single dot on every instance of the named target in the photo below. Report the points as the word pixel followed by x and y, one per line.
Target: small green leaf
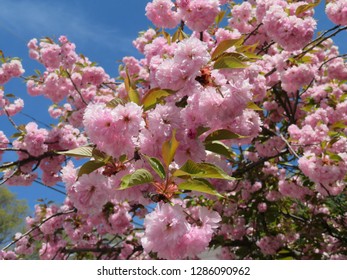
pixel 199 185
pixel 219 148
pixel 201 130
pixel 127 82
pixel 253 106
pixel 115 102
pixel 219 17
pixel 179 35
pixel 154 96
pixel 89 167
pixel 85 151
pixel 100 156
pixel 122 158
pixel 222 134
pixel 339 125
pixel 229 62
pixel 134 96
pixel 334 157
pixel 139 177
pixel 17 135
pixel 156 165
pixel 303 8
pixel 224 45
pixel 166 36
pixel 248 49
pixel 201 170
pixel 169 149
pixel 329 89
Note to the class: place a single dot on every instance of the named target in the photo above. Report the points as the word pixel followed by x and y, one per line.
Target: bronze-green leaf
pixel 251 105
pixel 224 45
pixel 139 177
pixel 89 167
pixel 229 62
pixel 199 185
pixel 303 8
pixel 219 148
pixel 222 134
pixel 154 96
pixel 85 151
pixel 169 149
pixel 201 170
pixel 156 165
pixel 134 96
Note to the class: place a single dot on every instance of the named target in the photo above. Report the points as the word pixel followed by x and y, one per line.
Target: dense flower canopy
pixel 228 135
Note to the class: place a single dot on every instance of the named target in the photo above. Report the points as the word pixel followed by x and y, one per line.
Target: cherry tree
pixel 228 134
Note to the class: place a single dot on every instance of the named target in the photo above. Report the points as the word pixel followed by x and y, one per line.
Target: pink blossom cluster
pixel 231 138
pixel 291 32
pixel 3 143
pixel 9 70
pixel 171 238
pixel 189 57
pixel 336 11
pixel 161 13
pixel 198 15
pixel 114 131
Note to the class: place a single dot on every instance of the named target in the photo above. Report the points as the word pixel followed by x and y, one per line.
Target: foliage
pixel 228 138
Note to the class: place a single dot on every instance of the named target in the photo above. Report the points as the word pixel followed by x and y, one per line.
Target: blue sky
pixel 102 30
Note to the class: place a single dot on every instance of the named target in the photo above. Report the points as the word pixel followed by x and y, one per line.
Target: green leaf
pixel 229 62
pixel 134 96
pixel 219 148
pixel 85 151
pixel 100 156
pixel 222 134
pixel 154 96
pixel 201 170
pixel 166 36
pixel 253 106
pixel 156 165
pixel 224 45
pixel 334 157
pixel 122 158
pixel 179 35
pixel 219 17
pixel 127 82
pixel 303 8
pixel 139 177
pixel 89 167
pixel 115 102
pixel 200 186
pixel 169 148
pixel 201 130
pixel 248 49
pixel 338 125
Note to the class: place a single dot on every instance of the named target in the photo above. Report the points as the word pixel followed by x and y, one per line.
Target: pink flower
pixel 164 228
pixel 3 143
pixel 198 14
pixel 90 193
pixel 114 131
pixel 269 245
pixel 337 11
pixel 291 32
pixel 161 13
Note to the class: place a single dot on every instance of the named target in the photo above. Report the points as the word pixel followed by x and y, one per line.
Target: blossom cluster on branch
pixel 230 139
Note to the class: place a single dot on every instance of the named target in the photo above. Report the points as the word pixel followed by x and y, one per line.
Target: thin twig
pixel 288 145
pixel 76 88
pixel 37 226
pixel 252 33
